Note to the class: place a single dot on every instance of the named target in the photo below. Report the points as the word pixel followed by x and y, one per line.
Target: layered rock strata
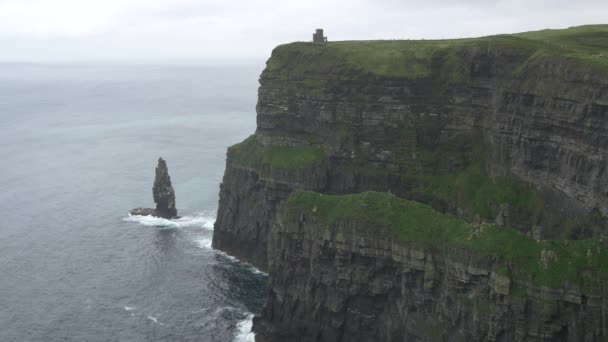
pixel 506 130
pixel 359 278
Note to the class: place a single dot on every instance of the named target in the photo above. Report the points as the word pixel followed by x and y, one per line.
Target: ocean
pixel 78 148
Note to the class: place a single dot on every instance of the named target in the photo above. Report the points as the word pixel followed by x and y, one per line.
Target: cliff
pixel 373 267
pixel 504 131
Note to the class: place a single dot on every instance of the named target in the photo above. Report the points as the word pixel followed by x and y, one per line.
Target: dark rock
pixel 164 195
pixel 355 282
pixel 540 123
pixel 378 133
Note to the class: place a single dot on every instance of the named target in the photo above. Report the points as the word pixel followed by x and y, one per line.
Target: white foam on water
pixel 154 319
pixel 249 266
pixel 203 242
pixel 151 221
pixel 243 331
pixel 221 309
pixel 227 256
pixel 200 220
pixel 254 269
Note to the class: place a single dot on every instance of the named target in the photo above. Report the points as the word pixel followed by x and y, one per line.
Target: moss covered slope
pixel 581 263
pixel 249 153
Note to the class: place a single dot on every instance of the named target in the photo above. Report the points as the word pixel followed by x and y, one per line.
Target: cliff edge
pixel 508 132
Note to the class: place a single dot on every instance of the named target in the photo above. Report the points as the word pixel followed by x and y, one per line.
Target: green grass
pixel 580 263
pixel 454 173
pixel 245 153
pixel 589 39
pixel 379 58
pixel 293 157
pixel 388 58
pixel 518 290
pixel 584 45
pixel 479 194
pixel 249 153
pixel 414 59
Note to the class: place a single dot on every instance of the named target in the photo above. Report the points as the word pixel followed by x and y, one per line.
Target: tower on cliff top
pixel 317 37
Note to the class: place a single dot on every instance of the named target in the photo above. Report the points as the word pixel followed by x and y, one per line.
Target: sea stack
pixel 164 195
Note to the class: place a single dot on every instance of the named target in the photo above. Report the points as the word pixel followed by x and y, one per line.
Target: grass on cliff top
pixel 413 59
pixel 581 263
pixel 249 153
pixel 586 45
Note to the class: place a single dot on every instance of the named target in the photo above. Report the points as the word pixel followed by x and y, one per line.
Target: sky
pixel 233 30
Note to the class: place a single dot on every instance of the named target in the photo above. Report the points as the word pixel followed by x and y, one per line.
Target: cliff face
pixel 338 275
pixel 250 195
pixel 508 130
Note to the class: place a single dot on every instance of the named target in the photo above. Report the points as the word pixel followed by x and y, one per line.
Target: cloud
pixel 214 29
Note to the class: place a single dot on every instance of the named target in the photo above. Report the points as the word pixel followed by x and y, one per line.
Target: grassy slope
pixel 412 58
pixel 249 153
pixel 583 262
pixel 454 173
pixel 584 45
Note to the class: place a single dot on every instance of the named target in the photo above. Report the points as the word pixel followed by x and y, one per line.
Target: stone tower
pixel 317 37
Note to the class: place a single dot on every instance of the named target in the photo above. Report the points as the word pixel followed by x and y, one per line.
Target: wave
pixel 204 220
pixel 203 242
pixel 247 265
pixel 254 269
pixel 243 331
pixel 200 220
pixel 155 320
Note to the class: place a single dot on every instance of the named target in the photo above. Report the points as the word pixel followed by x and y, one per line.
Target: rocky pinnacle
pixel 164 195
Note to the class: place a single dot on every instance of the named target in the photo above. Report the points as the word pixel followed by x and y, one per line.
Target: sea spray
pixel 243 330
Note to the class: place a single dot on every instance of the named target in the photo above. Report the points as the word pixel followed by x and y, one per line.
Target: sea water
pixel 78 148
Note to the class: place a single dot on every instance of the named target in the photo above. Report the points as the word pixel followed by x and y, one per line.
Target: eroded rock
pixel 163 193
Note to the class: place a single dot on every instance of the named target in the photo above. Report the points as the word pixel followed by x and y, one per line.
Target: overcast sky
pixel 156 30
